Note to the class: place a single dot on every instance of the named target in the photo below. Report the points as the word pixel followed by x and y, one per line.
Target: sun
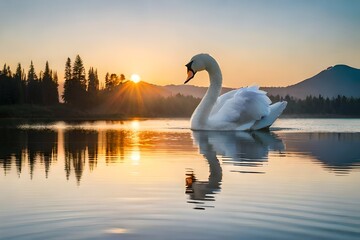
pixel 135 78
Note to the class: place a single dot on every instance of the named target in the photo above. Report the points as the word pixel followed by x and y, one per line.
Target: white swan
pixel 242 109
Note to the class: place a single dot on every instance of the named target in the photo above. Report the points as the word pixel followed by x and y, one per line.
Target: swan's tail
pixel 275 110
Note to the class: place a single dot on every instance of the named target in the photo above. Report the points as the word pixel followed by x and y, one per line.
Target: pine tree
pixel 75 84
pixel 93 81
pixel 31 73
pixel 49 87
pixel 18 72
pixel 107 81
pixel 68 73
pixel 93 88
pixel 5 86
pixel 47 75
pixel 55 78
pixel 19 86
pixel 67 84
pixel 56 90
pixel 79 72
pixel 97 83
pixel 34 88
pixel 4 72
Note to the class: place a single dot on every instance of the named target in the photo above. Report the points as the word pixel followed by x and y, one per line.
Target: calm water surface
pixel 156 179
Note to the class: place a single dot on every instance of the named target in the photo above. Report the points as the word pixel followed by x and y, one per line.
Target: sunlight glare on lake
pixel 135 124
pixel 117 230
pixel 135 157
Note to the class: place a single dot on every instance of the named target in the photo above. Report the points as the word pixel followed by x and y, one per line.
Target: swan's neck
pixel 202 112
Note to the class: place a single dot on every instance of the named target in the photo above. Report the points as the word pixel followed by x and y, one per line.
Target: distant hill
pixel 191 90
pixel 129 96
pixel 337 80
pixel 148 90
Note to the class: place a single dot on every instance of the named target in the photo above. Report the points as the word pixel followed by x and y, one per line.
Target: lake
pixel 157 179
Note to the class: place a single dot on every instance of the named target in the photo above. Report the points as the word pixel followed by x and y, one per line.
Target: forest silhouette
pixel 35 95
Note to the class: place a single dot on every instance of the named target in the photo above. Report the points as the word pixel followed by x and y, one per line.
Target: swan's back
pixel 240 109
pixel 222 100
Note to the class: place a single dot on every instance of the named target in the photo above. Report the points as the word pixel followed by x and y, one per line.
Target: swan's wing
pixel 245 107
pixel 275 110
pixel 222 100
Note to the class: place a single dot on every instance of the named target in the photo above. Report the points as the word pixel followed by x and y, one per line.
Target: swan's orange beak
pixel 190 75
pixel 190 72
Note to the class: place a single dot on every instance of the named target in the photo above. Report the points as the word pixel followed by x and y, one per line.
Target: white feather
pixel 241 107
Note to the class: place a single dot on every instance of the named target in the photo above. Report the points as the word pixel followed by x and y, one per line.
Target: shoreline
pixel 62 112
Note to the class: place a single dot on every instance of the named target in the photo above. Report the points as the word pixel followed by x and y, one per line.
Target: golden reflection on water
pixel 91 143
pixel 94 144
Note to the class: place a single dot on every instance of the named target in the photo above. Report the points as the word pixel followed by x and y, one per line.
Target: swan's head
pixel 196 64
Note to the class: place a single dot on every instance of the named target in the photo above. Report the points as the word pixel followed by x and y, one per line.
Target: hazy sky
pixel 270 43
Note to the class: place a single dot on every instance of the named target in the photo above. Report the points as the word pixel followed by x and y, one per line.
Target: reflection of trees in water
pixel 93 150
pixel 79 145
pixel 39 148
pixel 30 146
pixel 42 147
pixel 115 146
pixel 13 143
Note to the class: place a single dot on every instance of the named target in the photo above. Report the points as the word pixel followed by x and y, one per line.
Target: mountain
pixel 337 80
pixel 129 97
pixel 331 82
pixel 147 90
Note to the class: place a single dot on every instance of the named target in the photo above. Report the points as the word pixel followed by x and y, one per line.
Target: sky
pixel 268 43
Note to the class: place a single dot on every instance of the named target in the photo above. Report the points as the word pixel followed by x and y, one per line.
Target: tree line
pixel 86 93
pixel 19 88
pixel 312 105
pixel 42 89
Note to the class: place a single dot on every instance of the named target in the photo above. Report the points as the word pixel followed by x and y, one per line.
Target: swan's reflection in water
pixel 204 190
pixel 244 149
